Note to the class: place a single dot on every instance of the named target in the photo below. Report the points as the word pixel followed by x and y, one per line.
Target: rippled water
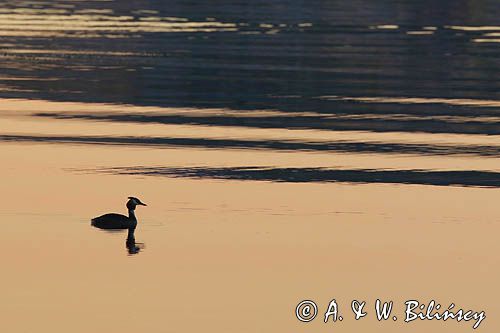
pixel 326 67
pixel 284 55
pixel 286 150
pixel 396 67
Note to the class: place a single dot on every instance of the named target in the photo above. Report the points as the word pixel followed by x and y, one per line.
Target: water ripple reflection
pixel 391 80
pixel 319 175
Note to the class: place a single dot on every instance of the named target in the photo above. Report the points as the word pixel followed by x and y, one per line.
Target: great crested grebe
pixel 115 221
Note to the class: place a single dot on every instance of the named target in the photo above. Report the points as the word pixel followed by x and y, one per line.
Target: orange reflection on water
pixel 231 242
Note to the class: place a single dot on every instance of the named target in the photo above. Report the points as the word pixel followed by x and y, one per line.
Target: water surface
pixel 286 150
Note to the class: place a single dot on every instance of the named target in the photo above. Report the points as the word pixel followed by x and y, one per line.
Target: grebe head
pixel 133 202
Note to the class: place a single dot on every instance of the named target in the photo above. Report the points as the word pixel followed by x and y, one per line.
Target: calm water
pixel 286 150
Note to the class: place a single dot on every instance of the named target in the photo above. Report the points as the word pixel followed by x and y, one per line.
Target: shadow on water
pixel 488 179
pixel 345 123
pixel 276 145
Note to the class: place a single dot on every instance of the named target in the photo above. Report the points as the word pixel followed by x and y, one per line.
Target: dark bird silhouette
pixel 115 221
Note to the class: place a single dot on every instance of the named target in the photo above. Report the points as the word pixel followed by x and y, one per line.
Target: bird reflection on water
pixel 133 247
pixel 115 222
